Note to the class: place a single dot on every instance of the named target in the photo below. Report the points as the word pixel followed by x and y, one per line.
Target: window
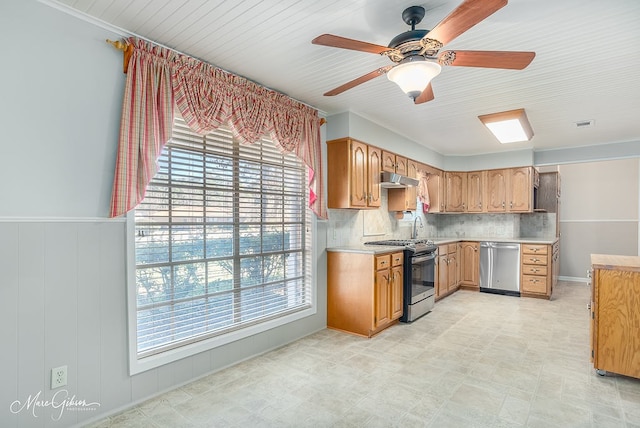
pixel 222 242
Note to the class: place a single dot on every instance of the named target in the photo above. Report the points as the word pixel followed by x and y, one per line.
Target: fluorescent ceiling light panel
pixel 508 126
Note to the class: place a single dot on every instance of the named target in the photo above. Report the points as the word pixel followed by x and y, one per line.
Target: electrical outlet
pixel 58 377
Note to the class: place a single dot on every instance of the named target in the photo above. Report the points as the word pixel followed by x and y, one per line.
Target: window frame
pixel 139 365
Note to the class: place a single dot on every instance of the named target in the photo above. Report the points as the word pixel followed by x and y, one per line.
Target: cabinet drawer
pixel 452 248
pixel 530 259
pixel 534 270
pixel 397 259
pixel 383 262
pixel 534 249
pixel 534 284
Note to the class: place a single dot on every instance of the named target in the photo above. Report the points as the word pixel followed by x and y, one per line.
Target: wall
pixel 349 124
pixel 354 227
pixel 62 292
pixel 598 212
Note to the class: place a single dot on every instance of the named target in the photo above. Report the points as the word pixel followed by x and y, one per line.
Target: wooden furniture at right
pixel 615 317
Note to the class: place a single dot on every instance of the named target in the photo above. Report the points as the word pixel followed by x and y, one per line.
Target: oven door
pixel 423 269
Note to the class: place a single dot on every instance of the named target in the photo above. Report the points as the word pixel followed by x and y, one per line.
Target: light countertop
pixel 378 249
pixel 613 262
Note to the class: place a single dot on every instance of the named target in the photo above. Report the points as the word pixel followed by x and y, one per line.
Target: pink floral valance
pixel 207 97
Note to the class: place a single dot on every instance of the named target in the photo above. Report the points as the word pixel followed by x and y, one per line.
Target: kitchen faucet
pixel 414 234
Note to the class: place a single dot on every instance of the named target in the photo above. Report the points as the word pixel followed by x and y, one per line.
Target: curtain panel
pixel 207 97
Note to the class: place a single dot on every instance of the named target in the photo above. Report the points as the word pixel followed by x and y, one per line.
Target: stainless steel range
pixel 419 275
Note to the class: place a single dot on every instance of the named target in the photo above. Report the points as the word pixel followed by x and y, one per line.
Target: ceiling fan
pixel 415 52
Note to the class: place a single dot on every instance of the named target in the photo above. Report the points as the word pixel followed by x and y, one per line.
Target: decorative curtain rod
pixel 127 50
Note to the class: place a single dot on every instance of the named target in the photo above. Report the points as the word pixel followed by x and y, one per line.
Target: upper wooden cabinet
pixel 475 191
pixel 496 191
pixel 394 163
pixel 435 187
pixel 510 190
pixel 520 189
pixel 353 179
pixel 455 191
pixel 405 199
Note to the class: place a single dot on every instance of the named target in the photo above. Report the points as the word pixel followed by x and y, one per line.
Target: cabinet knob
pixel 503 204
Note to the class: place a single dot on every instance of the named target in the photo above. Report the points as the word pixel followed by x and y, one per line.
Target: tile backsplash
pixel 353 227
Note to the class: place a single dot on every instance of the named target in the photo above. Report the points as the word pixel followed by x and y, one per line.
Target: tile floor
pixel 477 360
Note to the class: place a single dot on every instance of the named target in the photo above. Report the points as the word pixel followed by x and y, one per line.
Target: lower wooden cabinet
pixel 615 318
pixel 446 270
pixel 364 291
pixel 536 268
pixel 470 265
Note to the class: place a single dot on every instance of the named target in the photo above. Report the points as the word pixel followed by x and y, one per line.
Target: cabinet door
pixel 455 191
pixel 382 298
pixel 452 275
pixel 373 176
pixel 411 193
pixel 520 189
pixel 470 264
pixel 443 275
pixel 475 190
pixel 396 292
pixel 496 191
pixel 435 184
pixel 358 178
pixel 401 165
pixel 388 161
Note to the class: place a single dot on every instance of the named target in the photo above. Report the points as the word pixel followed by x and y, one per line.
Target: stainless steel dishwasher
pixel 500 268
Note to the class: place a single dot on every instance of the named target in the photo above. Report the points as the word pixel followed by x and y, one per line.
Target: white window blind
pixel 222 240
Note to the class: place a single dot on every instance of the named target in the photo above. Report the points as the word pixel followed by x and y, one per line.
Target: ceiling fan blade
pixel 355 82
pixel 489 59
pixel 344 43
pixel 465 16
pixel 425 96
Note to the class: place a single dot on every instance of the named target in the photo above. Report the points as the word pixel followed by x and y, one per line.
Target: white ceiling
pixel 586 66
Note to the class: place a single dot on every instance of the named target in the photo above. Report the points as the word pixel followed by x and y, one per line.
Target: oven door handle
pixel 421 259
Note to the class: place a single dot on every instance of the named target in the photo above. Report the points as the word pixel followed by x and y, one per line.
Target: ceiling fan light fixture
pixel 414 76
pixel 508 126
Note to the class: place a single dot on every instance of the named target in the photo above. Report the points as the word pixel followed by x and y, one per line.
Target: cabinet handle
pixel 383 262
pixel 503 205
pixel 511 204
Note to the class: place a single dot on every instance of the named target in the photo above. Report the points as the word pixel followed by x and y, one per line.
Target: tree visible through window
pixel 222 240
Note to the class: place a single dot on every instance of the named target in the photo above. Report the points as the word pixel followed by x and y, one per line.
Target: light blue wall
pixel 62 289
pixel 349 124
pixel 61 102
pixel 588 154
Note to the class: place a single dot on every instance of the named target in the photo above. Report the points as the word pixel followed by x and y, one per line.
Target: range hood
pixel 393 180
